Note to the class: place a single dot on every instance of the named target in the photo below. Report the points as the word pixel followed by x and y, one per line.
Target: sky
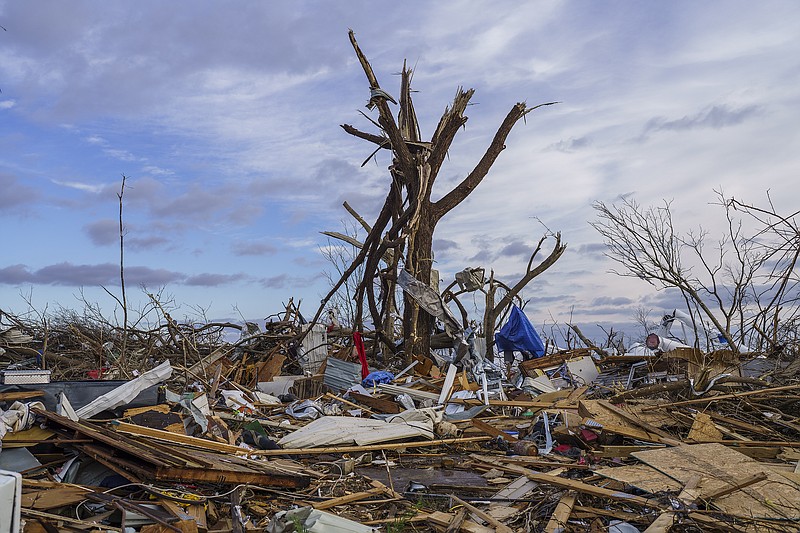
pixel 225 120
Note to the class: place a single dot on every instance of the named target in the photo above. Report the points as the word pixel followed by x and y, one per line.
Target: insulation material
pixel 343 430
pixel 125 393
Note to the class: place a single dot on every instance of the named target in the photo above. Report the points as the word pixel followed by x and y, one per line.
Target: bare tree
pixel 409 217
pixel 775 292
pixel 715 280
pixel 497 307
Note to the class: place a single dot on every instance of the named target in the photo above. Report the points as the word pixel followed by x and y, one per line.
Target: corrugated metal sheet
pixel 341 375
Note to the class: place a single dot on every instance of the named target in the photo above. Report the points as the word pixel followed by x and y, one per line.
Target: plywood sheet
pixel 720 466
pixel 642 477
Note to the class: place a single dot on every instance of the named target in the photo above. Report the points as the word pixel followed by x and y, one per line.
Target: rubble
pixel 671 441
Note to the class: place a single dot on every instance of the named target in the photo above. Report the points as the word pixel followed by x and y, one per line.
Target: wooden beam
pixel 558 520
pixel 493 431
pixel 723 397
pixel 666 438
pixel 223 475
pixel 367 448
pixel 379 404
pixel 498 525
pixel 347 498
pixel 455 524
pixel 11 396
pixel 739 485
pixel 571 484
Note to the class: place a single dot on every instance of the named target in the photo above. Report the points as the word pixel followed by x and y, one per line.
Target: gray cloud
pixel 15 275
pixel 15 197
pixel 714 117
pixel 245 248
pixel 103 232
pixel 285 281
pixel 442 245
pixel 591 248
pixel 172 51
pixel 570 145
pixel 515 249
pixel 71 275
pixel 213 280
pixel 611 300
pixel 146 243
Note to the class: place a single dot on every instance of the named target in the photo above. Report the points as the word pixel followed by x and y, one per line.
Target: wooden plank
pixel 498 526
pixel 455 523
pixel 662 524
pixel 571 484
pixel 666 438
pixel 580 511
pixel 53 497
pixel 558 520
pixel 348 402
pixel 367 448
pixel 347 498
pixel 722 397
pixel 442 519
pixel 229 476
pixel 739 485
pixel 118 442
pixel 185 526
pixel 381 405
pixel 267 370
pixel 491 430
pixel 174 438
pixel 59 519
pixel 12 396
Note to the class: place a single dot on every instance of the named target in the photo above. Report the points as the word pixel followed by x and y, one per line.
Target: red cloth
pixel 362 354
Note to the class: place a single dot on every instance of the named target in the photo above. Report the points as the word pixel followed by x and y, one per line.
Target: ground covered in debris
pixel 266 434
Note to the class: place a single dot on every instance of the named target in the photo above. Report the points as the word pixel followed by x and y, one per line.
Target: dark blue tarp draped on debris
pixel 518 335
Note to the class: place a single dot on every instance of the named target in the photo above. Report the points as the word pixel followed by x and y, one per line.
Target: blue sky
pixel 225 119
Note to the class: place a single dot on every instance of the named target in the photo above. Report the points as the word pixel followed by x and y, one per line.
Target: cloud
pixel 103 232
pixel 68 274
pixel 15 197
pixel 516 249
pixel 15 275
pixel 7 104
pixel 570 145
pixel 255 248
pixel 611 301
pixel 442 245
pixel 146 243
pixel 213 280
pixel 591 248
pixel 81 186
pixel 714 117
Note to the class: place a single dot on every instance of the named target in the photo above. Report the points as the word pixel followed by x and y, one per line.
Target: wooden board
pixel 720 466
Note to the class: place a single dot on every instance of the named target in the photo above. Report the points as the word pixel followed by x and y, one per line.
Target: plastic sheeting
pixel 518 335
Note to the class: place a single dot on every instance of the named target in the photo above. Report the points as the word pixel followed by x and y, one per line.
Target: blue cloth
pixel 379 376
pixel 518 335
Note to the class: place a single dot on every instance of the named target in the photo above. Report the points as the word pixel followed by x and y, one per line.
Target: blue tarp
pixel 518 335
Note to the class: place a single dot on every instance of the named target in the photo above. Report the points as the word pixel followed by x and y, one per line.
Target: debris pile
pixel 245 436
